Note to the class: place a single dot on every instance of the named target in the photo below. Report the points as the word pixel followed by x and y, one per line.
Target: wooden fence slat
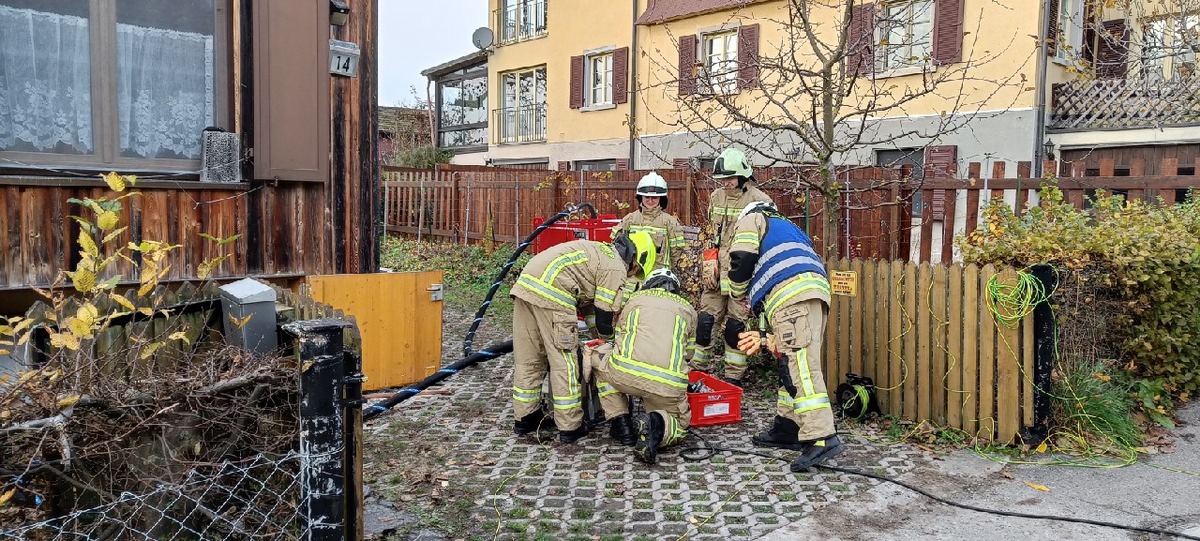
pixel 844 317
pixel 869 363
pixel 910 338
pixel 1008 400
pixel 896 340
pixel 937 386
pixel 883 332
pixel 1027 372
pixel 948 226
pixel 954 349
pixel 987 361
pixel 922 365
pixel 857 315
pixel 967 391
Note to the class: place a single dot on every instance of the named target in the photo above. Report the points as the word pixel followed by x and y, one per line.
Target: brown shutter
pixel 1052 29
pixel 622 164
pixel 748 56
pixel 1112 50
pixel 681 163
pixel 947 32
pixel 860 43
pixel 564 166
pixel 576 82
pixel 941 161
pixel 621 75
pixel 687 63
pixel 291 76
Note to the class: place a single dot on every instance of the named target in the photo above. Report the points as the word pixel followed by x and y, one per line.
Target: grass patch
pixel 1094 404
pixel 468 270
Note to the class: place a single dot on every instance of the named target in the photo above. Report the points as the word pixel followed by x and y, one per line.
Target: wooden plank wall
pixel 925 335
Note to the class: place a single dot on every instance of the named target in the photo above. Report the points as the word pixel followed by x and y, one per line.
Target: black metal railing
pixel 521 124
pixel 520 20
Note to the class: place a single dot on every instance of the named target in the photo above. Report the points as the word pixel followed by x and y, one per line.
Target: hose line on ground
pixel 705 451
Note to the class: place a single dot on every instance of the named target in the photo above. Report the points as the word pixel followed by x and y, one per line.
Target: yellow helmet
pixel 637 248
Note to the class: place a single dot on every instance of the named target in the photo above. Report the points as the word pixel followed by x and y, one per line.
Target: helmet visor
pixel 721 171
pixel 652 190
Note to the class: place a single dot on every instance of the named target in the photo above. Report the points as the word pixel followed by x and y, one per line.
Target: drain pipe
pixel 1040 88
pixel 632 85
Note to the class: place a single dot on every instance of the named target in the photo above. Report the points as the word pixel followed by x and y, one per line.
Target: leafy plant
pixel 423 157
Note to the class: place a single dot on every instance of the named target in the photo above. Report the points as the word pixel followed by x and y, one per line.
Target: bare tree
pixel 1151 41
pixel 814 93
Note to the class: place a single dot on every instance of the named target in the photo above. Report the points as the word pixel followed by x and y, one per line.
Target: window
pixel 462 108
pixel 906 34
pixel 106 83
pixel 596 165
pixel 1169 47
pixel 720 62
pixel 600 79
pixel 521 20
pixel 1070 29
pixel 522 119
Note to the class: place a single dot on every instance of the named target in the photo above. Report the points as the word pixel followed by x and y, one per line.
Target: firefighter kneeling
pixel 654 336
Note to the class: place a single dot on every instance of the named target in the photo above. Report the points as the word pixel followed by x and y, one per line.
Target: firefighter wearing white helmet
pixel 775 266
pixel 652 217
pixel 551 289
pixel 648 359
pixel 717 307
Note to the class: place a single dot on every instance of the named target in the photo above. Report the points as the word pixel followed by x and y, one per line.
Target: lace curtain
pixel 165 87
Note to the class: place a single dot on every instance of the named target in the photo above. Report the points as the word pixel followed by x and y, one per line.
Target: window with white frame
pixel 522 119
pixel 1170 46
pixel 600 79
pixel 1070 28
pixel 720 55
pixel 905 34
pixel 103 84
pixel 521 19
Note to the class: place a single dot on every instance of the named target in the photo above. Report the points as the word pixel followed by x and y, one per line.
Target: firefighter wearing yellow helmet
pixel 717 307
pixel 551 289
pixel 652 217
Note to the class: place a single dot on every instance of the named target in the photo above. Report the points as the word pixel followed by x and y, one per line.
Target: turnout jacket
pixel 655 334
pixel 663 227
pixel 574 274
pixel 775 264
pixel 724 206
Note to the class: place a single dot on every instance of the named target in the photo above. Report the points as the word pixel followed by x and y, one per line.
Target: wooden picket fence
pixel 925 334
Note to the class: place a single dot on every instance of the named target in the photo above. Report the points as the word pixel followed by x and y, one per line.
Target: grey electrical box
pixel 249 320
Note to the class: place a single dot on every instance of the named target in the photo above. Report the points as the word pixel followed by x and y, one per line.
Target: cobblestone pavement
pixel 520 488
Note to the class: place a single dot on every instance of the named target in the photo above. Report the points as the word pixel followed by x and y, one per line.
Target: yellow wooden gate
pixel 398 317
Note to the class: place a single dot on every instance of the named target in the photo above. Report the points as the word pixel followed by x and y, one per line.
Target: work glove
pixel 594 353
pixel 750 342
pixel 773 345
pixel 710 269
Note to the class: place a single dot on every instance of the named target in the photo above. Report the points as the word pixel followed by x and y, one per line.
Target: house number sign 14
pixel 343 58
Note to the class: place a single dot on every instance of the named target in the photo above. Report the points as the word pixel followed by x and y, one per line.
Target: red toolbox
pixel 721 406
pixel 597 229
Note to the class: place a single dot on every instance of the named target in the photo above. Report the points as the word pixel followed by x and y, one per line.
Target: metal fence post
pixel 320 355
pixel 1045 337
pixel 352 403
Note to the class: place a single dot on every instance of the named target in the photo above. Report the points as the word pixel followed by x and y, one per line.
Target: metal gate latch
pixel 435 292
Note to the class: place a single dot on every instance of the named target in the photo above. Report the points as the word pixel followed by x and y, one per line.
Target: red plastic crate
pixel 720 407
pixel 599 229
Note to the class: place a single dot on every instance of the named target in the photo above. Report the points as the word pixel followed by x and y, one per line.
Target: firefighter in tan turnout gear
pixel 717 306
pixel 775 266
pixel 648 359
pixel 652 217
pixel 546 298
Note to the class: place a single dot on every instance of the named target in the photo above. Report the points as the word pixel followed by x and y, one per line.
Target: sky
pixel 417 34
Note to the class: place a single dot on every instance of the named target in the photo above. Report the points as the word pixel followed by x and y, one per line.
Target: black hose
pixel 486 354
pixel 468 342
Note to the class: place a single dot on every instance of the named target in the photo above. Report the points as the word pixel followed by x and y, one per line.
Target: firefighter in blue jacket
pixel 773 263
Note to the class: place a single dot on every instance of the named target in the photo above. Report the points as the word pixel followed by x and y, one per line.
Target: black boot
pixel 572 436
pixel 650 431
pixel 816 453
pixel 782 435
pixel 621 429
pixel 532 423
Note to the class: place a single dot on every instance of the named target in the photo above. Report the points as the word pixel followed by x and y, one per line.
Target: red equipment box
pixel 722 406
pixel 597 229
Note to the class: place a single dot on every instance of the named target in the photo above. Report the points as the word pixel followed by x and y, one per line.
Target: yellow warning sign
pixel 844 283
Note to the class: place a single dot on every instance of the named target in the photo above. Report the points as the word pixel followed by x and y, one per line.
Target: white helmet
pixel 654 185
pixel 733 163
pixel 757 206
pixel 663 279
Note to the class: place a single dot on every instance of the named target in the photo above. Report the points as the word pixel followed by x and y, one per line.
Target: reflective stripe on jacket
pixel 573 273
pixel 654 334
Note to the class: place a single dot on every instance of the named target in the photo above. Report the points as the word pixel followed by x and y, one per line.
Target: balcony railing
pixel 522 124
pixel 520 20
pixel 1125 103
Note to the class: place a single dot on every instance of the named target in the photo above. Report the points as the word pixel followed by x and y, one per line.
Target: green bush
pixel 1147 255
pixel 423 157
pixel 467 270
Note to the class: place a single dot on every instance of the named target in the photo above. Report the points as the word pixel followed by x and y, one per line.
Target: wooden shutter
pixel 687 65
pixel 621 75
pixel 1112 50
pixel 564 166
pixel 681 163
pixel 291 90
pixel 1052 29
pixel 748 56
pixel 947 32
pixel 941 161
pixel 622 164
pixel 860 44
pixel 577 82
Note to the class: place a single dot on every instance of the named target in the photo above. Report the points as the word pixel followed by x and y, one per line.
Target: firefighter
pixel 545 300
pixel 773 263
pixel 652 217
pixel 717 307
pixel 654 334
